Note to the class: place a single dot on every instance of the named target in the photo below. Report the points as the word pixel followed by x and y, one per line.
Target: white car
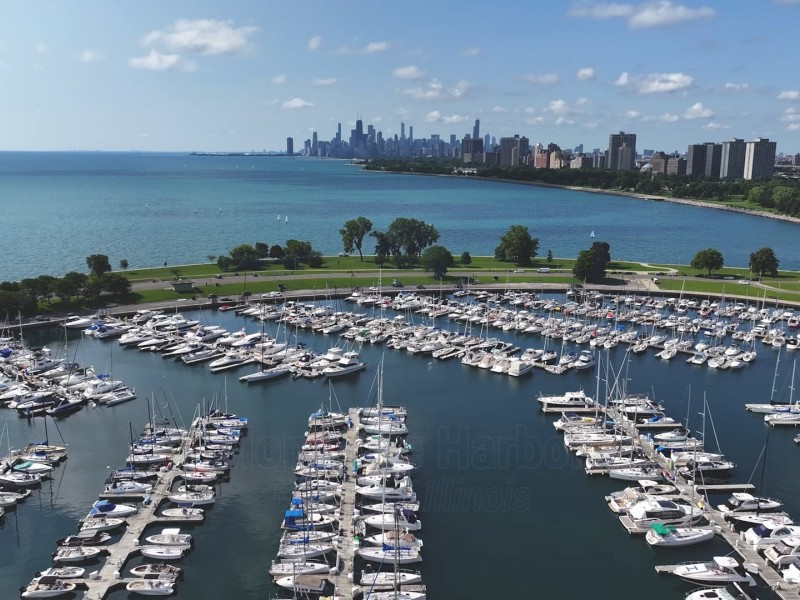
pixel 519 270
pixel 744 282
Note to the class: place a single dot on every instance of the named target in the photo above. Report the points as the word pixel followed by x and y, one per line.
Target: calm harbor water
pixel 60 207
pixel 506 510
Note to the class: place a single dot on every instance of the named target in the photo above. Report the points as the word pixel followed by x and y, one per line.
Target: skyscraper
pixel 314 145
pixel 759 159
pixel 713 159
pixel 696 159
pixel 402 130
pixel 615 142
pixel 289 146
pixel 732 159
pixel 339 134
pixel 476 130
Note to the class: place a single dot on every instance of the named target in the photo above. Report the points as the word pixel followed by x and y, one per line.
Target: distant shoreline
pixel 635 195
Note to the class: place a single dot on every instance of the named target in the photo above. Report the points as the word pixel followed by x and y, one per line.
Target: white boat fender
pixel 136 543
pixel 117 575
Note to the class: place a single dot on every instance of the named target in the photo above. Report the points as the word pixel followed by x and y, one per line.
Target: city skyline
pixel 207 77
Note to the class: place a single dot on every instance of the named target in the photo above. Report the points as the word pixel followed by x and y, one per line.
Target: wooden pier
pixel 753 562
pixel 342 575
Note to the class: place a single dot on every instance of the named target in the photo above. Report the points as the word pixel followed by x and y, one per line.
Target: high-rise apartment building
pixel 732 159
pixel 713 159
pixel 759 159
pixel 476 129
pixel 289 146
pixel 615 142
pixel 696 159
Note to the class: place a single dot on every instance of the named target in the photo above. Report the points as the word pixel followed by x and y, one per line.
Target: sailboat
pixel 591 235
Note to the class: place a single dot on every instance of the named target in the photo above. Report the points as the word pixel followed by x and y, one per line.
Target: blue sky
pixel 244 75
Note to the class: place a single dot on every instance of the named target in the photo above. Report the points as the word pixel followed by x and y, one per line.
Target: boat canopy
pixel 661 529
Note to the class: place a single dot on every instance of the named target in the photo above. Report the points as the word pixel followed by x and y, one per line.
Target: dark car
pixel 41 318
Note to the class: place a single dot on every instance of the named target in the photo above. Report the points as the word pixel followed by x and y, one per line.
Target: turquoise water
pixel 507 512
pixel 59 208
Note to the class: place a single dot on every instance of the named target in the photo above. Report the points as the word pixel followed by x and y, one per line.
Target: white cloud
pixel 41 48
pixel 204 36
pixel 534 120
pixel 791 114
pixel 408 72
pixel 581 101
pixel 370 48
pixel 789 95
pixel 655 83
pixel 437 117
pixel 373 47
pixel 633 114
pixel 499 109
pixel 715 125
pixel 736 87
pixel 669 118
pixel 296 103
pixel 91 56
pixel 698 111
pixel 467 52
pixel 314 42
pixel 155 61
pixel 530 110
pixel 546 79
pixel 793 127
pixel 600 11
pixel 558 107
pixel 649 14
pixel 666 13
pixel 327 81
pixel 435 90
pixel 278 79
pixel 564 121
pixel 585 74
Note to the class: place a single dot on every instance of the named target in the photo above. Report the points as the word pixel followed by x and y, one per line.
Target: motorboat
pixel 784 553
pixel 389 491
pixel 732 591
pixel 9 499
pixel 170 537
pixel 151 587
pixel 156 571
pixel 769 534
pixel 647 513
pixel 62 573
pixel 101 523
pixel 104 508
pixel 76 554
pixel 126 488
pixel 184 513
pixel 85 538
pixel 164 552
pixel 20 479
pixel 673 537
pixel 743 502
pixel 349 363
pixel 193 498
pixel 40 589
pixel 721 569
pixel 117 396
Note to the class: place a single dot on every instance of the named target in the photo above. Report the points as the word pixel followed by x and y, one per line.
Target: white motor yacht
pixel 722 569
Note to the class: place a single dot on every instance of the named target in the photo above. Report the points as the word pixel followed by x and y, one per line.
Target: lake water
pixel 507 512
pixel 58 208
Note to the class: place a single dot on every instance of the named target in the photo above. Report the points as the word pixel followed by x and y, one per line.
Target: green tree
pixel 98 264
pixel 353 233
pixel 761 195
pixel 591 264
pixel 290 262
pixel 315 260
pixel 277 251
pixel 410 236
pixel 549 257
pixel 116 284
pixel 212 258
pixel 764 261
pixel 244 257
pixel 437 259
pixel 516 244
pixel 224 263
pixel 709 259
pixel 262 250
pixel 300 250
pixel 76 282
pixel 466 259
pixel 123 264
pixel 382 247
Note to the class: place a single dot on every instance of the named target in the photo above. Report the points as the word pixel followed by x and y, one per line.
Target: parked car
pixel 396 283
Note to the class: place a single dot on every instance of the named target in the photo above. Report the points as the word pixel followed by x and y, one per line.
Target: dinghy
pixel 170 537
pixel 151 587
pixel 38 589
pixel 164 552
pixel 154 571
pixel 76 554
